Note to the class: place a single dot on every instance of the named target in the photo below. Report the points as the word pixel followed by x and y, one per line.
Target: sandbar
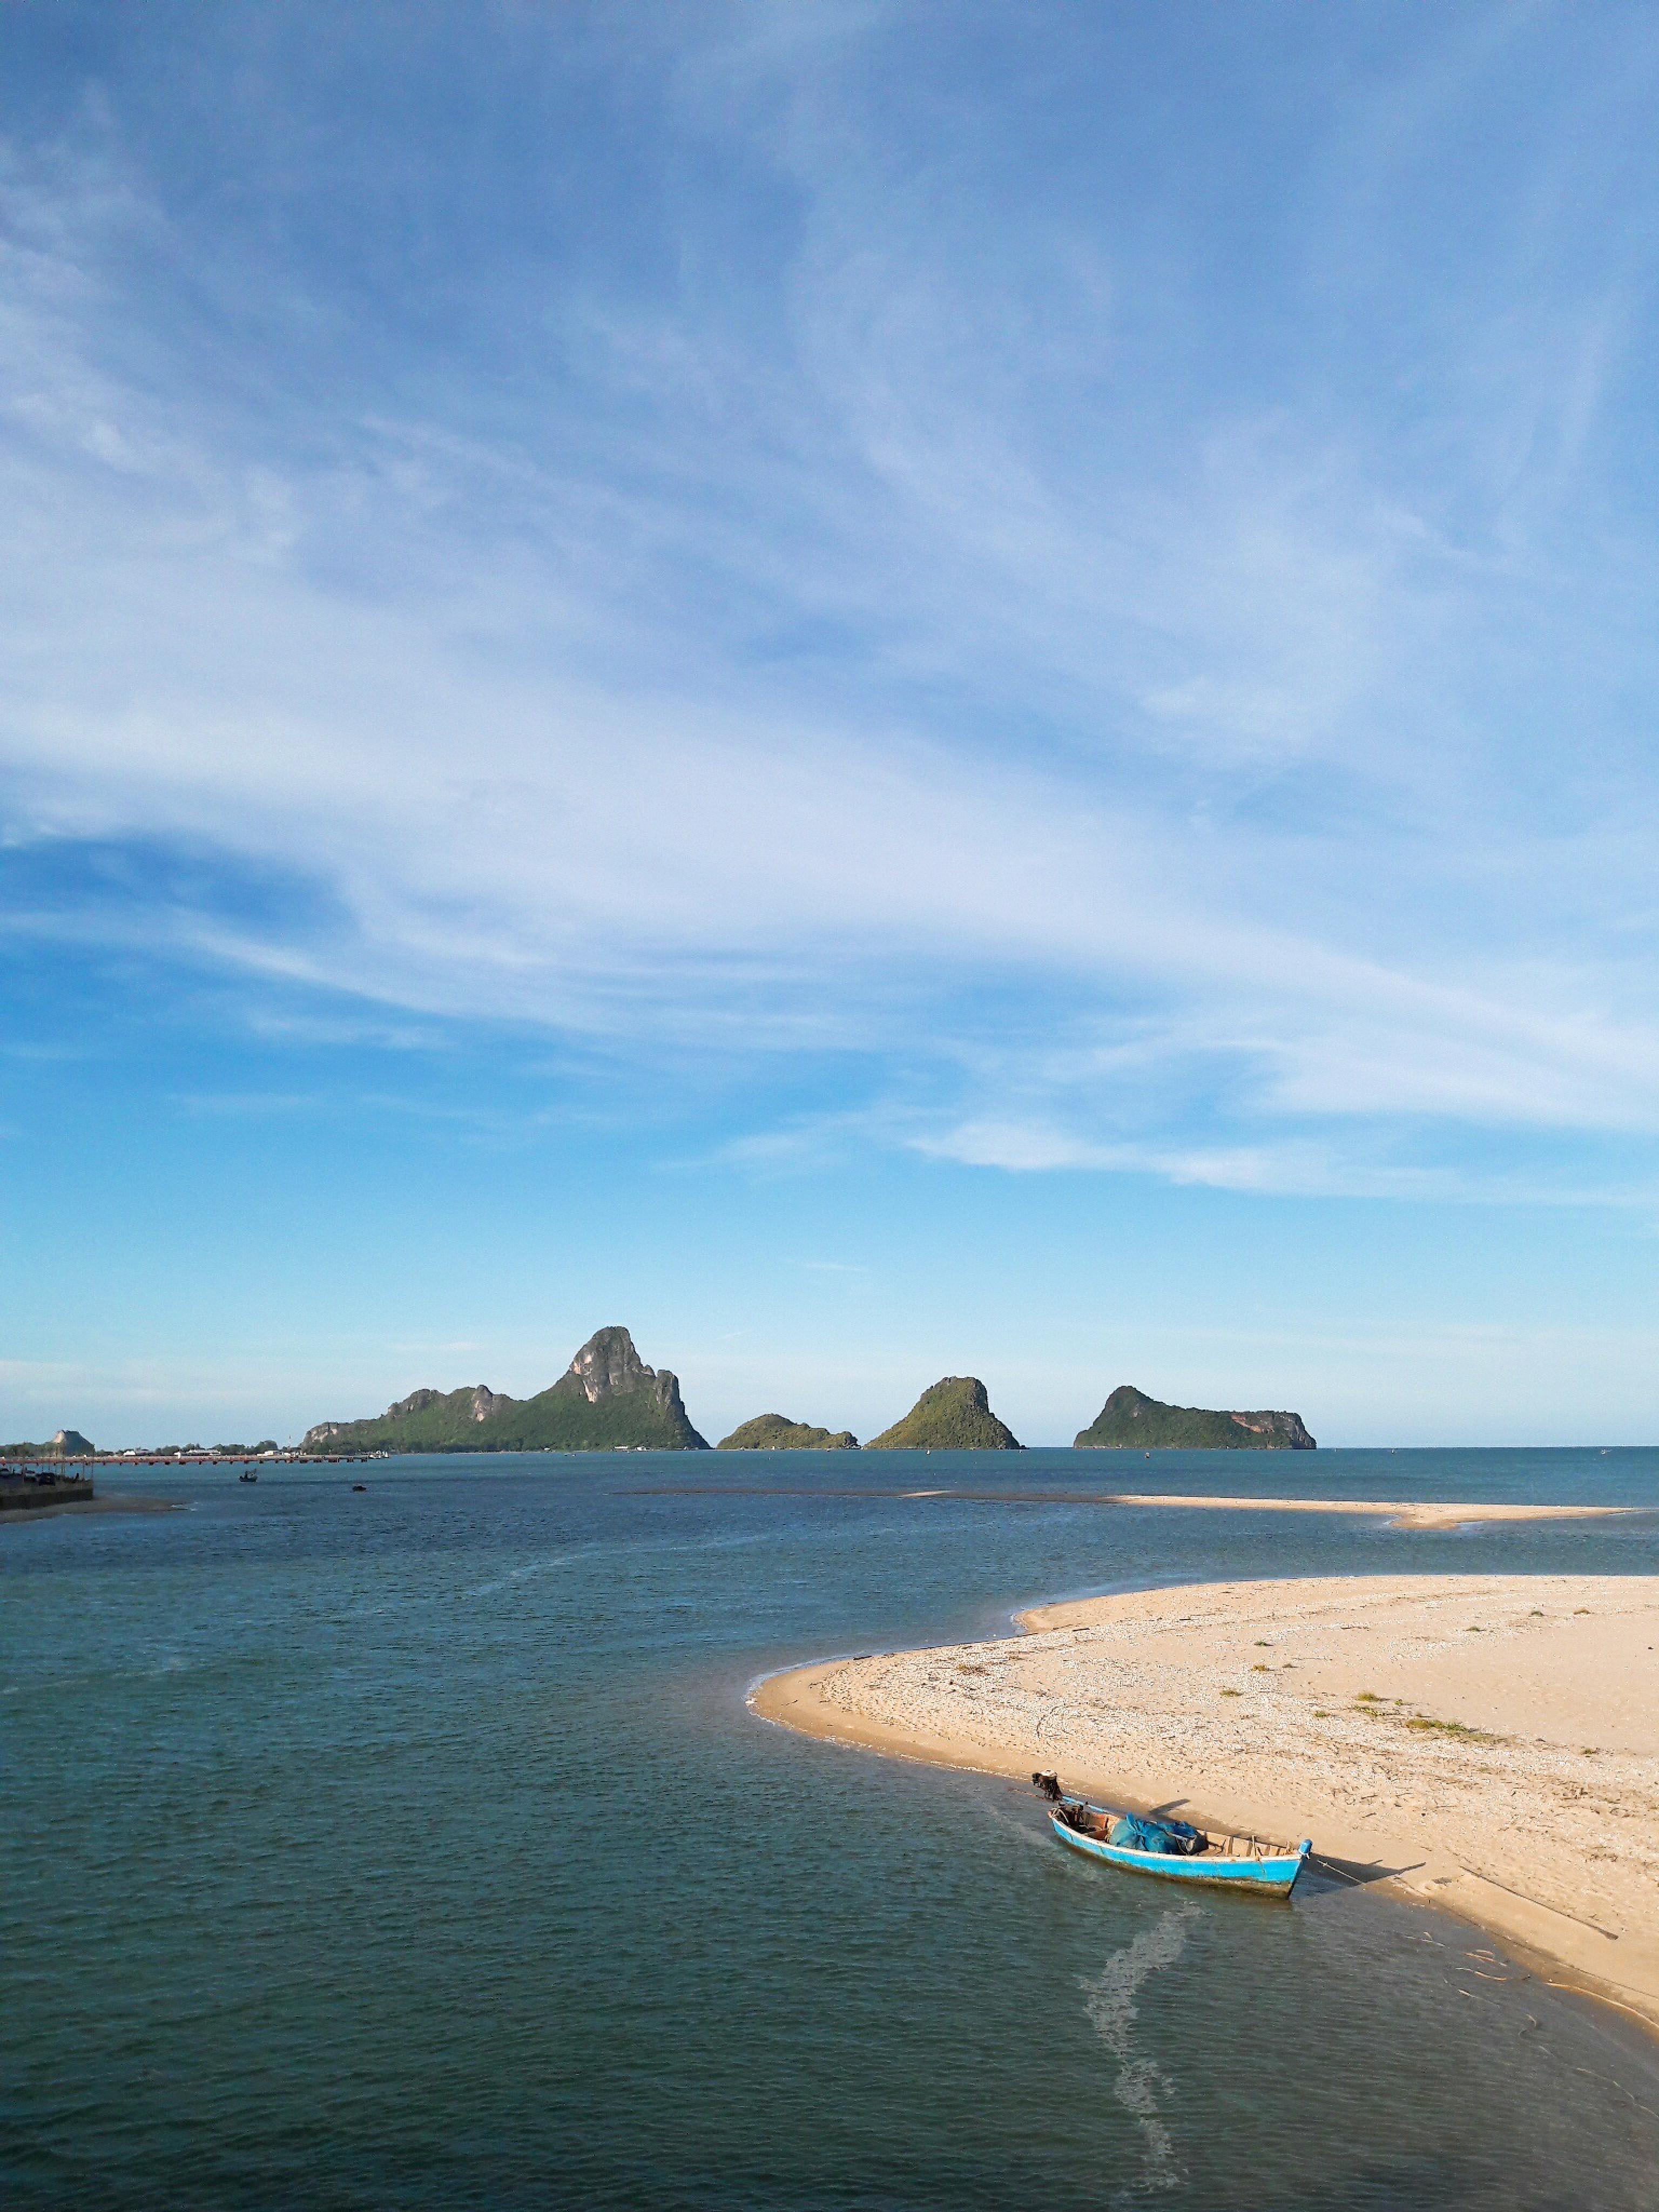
pixel 1427 1513
pixel 19 1515
pixel 1423 1513
pixel 1489 1743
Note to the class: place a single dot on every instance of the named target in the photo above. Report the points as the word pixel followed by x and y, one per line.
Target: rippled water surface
pixel 415 1849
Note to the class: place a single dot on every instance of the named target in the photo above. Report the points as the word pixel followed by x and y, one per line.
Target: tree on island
pixel 1130 1420
pixel 953 1415
pixel 773 1432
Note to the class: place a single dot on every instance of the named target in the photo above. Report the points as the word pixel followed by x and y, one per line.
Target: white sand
pixel 1491 1741
pixel 1428 1515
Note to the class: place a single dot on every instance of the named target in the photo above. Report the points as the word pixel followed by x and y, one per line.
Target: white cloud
pixel 1195 743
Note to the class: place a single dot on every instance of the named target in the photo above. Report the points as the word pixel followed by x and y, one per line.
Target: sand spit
pixel 1431 1514
pixel 1488 1742
pixel 21 1517
pixel 1424 1514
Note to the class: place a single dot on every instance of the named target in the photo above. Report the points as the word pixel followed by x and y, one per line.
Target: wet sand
pixel 18 1516
pixel 1485 1742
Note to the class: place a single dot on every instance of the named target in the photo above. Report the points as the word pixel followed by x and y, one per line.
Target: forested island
pixel 1130 1420
pixel 607 1398
pixel 953 1415
pixel 773 1432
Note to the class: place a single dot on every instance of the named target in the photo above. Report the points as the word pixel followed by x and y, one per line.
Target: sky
pixel 886 690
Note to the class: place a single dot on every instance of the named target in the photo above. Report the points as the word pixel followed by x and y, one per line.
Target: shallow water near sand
pixel 415 1849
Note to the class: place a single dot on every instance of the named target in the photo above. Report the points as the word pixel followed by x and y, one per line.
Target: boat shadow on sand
pixel 1354 1874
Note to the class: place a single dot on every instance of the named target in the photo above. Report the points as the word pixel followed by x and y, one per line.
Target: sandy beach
pixel 1487 1743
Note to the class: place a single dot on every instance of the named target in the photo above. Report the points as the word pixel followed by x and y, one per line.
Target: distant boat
pixel 1170 1848
pixel 248 1475
pixel 360 1485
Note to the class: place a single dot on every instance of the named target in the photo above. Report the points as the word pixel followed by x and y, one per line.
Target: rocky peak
pixel 416 1402
pixel 1289 1426
pixel 607 1363
pixel 608 1367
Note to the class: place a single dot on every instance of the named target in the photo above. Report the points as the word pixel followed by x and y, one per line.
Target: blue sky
pixel 886 689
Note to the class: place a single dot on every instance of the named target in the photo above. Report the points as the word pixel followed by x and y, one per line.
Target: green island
pixel 1130 1420
pixel 953 1415
pixel 772 1433
pixel 608 1400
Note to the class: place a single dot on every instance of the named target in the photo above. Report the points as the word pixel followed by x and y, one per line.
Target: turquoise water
pixel 415 1849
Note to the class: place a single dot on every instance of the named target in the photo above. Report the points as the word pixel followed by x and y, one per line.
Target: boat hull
pixel 1263 1877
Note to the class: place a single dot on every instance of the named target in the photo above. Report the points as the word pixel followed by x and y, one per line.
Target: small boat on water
pixel 248 1475
pixel 1172 1849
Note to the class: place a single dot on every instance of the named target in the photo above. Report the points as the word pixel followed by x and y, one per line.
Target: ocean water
pixel 415 1849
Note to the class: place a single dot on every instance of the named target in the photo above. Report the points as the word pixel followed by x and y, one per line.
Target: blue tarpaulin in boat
pixel 1132 1833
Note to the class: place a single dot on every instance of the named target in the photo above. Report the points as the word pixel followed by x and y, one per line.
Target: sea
pixel 414 1847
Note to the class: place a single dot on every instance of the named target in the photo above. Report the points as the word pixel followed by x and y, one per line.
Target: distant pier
pixel 28 1484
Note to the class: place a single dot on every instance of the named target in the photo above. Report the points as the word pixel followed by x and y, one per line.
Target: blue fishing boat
pixel 1172 1849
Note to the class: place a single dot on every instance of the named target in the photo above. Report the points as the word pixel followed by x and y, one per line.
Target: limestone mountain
pixel 1130 1420
pixel 68 1443
pixel 953 1415
pixel 607 1397
pixel 772 1433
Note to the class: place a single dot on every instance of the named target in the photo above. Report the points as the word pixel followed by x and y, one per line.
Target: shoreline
pixel 1486 1744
